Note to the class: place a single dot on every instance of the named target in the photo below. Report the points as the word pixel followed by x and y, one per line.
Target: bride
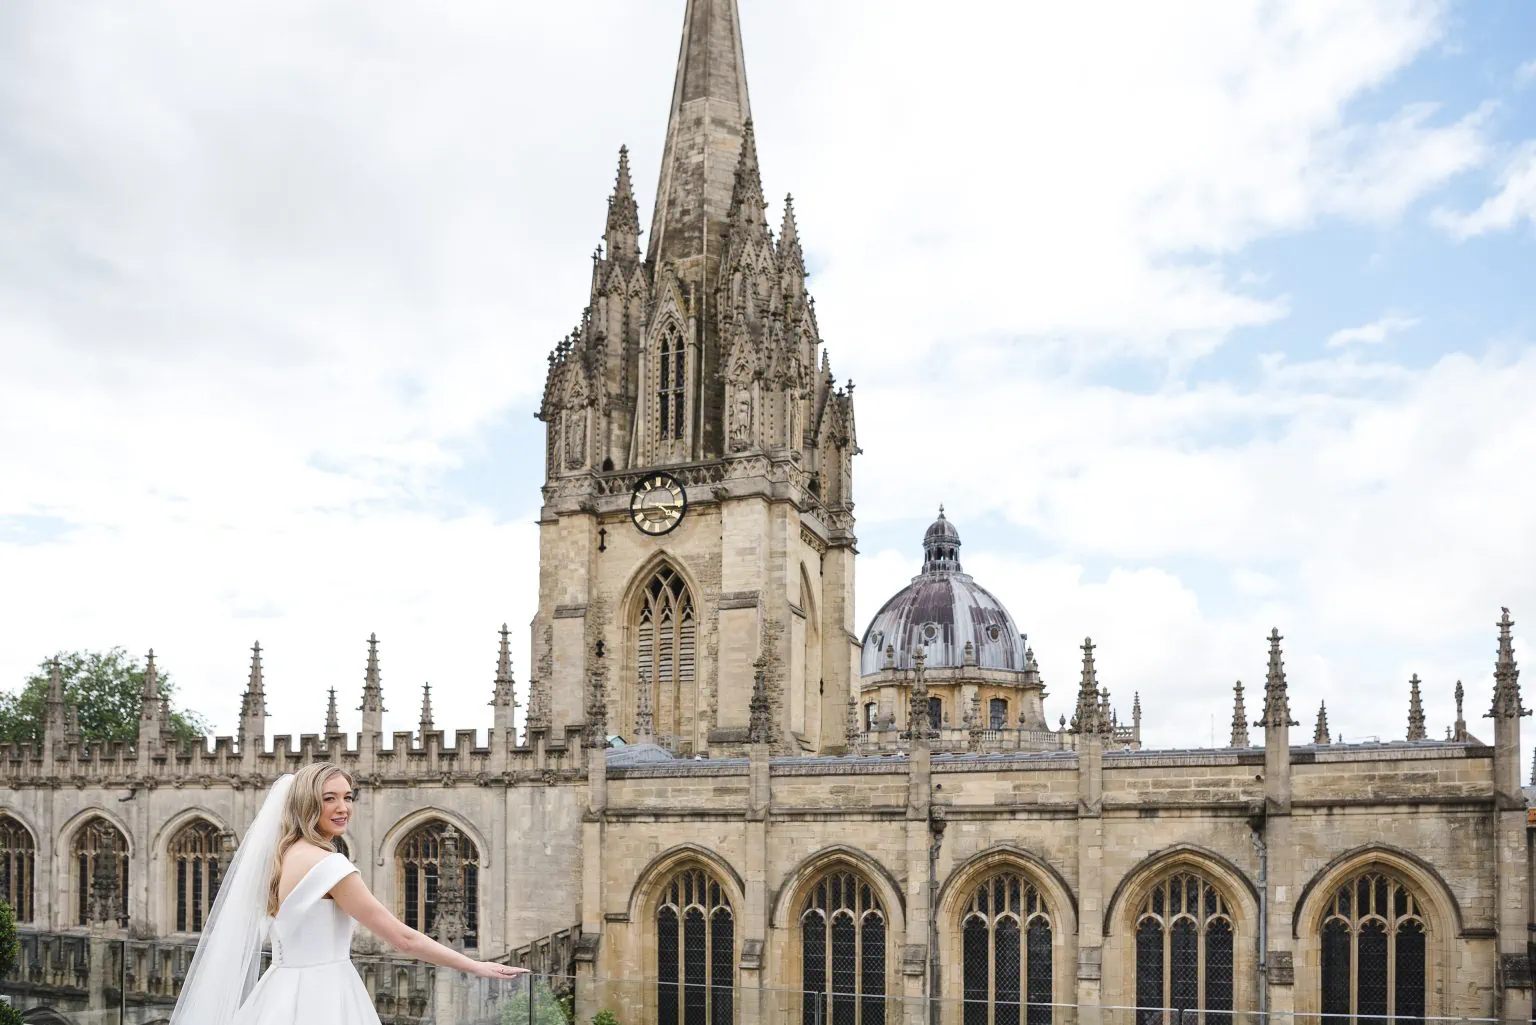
pixel 287 883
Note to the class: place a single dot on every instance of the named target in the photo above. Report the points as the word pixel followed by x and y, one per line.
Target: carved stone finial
pixel 504 689
pixel 852 730
pixel 426 725
pixel 760 728
pixel 373 689
pixel 1506 677
pixel 919 724
pixel 597 712
pixel 1320 734
pixel 1239 717
pixel 1277 702
pixel 332 720
pixel 1416 729
pixel 1091 716
pixel 448 920
pixel 1459 732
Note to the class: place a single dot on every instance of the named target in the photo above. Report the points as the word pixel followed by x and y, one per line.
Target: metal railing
pixel 449 998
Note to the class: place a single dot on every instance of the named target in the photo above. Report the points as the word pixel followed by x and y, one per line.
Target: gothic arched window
pixel 695 952
pixel 18 862
pixel 439 874
pixel 669 390
pixel 99 854
pixel 1374 936
pixel 842 932
pixel 194 857
pixel 664 652
pixel 1184 950
pixel 997 714
pixel 1006 953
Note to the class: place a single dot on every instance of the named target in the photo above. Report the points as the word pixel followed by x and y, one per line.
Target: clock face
pixel 657 504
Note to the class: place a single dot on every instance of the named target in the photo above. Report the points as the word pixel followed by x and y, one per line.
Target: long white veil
pixel 228 957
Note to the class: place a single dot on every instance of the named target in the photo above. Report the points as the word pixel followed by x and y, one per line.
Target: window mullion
pixel 1354 968
pixel 1200 962
pixel 1391 963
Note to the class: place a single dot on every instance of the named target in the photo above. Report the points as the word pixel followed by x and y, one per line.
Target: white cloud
pixel 1513 203
pixel 1526 73
pixel 1373 333
pixel 274 272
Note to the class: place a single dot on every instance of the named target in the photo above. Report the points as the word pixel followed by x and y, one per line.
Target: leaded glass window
pixel 18 862
pixel 1184 951
pixel 1006 953
pixel 695 952
pixel 99 846
pixel 665 637
pixel 418 861
pixel 194 860
pixel 1373 950
pixel 843 948
pixel 671 369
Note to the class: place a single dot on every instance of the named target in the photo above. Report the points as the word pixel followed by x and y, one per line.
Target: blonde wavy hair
pixel 301 818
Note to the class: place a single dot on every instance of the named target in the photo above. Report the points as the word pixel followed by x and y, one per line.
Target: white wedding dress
pixel 311 980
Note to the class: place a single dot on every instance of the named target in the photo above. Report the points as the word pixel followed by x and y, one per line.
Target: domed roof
pixel 940 610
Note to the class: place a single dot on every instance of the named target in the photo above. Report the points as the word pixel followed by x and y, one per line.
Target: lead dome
pixel 942 610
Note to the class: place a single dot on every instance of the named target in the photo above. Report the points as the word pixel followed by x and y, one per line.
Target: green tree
pixel 10 949
pixel 106 688
pixel 546 1008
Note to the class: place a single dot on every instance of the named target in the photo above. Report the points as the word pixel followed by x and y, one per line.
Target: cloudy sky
pixel 1198 319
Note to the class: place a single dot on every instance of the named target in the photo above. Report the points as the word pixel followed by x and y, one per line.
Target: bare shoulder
pixel 297 861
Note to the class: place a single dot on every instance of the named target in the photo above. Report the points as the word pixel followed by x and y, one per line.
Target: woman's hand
pixel 492 970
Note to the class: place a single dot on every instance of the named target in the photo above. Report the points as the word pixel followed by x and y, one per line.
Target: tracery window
pixel 695 952
pixel 669 391
pixel 1006 953
pixel 99 846
pixel 1373 936
pixel 664 637
pixel 194 858
pixel 997 713
pixel 842 932
pixel 1184 951
pixel 419 861
pixel 18 862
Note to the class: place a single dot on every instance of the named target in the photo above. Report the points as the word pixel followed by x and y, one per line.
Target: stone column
pixel 1510 869
pixel 588 998
pixel 1277 970
pixel 755 915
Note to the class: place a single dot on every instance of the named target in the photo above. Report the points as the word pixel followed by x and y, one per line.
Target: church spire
pixel 704 132
pixel 253 704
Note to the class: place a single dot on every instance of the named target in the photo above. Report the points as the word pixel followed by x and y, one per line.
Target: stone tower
pixel 697 370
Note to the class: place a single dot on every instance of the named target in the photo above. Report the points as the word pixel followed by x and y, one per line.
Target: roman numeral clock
pixel 657 504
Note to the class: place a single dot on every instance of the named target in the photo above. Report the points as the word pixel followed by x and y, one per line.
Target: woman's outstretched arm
pixel 356 900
